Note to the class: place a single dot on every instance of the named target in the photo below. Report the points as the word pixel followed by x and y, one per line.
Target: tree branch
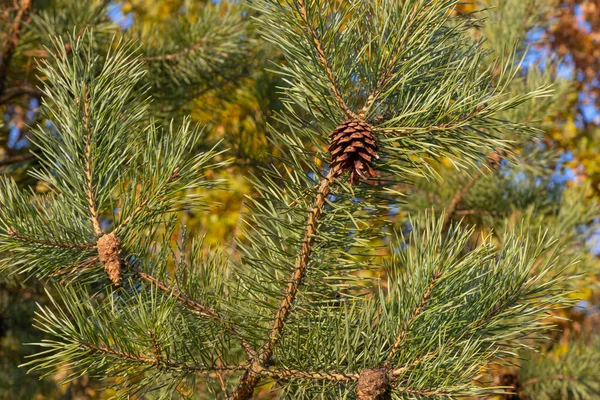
pixel 295 374
pixel 157 360
pixel 16 159
pixel 88 161
pixel 174 56
pixel 458 197
pixel 416 312
pixel 434 128
pixel 424 392
pixel 174 175
pixel 558 377
pixel 14 92
pixel 251 379
pixel 43 243
pixel 12 40
pixel 323 59
pixel 386 72
pixel 196 307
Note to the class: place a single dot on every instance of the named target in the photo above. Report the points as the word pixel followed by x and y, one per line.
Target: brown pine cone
pixel 353 149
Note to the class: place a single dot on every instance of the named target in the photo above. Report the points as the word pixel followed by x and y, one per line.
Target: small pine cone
pixel 353 148
pixel 109 251
pixel 372 385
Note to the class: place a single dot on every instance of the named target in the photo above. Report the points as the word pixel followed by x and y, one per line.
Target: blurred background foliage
pixel 236 103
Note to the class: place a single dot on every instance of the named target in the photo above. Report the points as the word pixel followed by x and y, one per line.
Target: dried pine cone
pixel 109 251
pixel 372 385
pixel 353 148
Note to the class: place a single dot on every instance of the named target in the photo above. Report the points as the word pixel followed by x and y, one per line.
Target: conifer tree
pixel 378 97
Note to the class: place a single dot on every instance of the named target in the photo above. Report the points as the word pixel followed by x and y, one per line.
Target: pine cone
pixel 353 148
pixel 109 252
pixel 372 385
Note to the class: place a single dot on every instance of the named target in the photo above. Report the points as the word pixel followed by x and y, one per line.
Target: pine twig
pixel 323 59
pixel 196 307
pixel 416 312
pixel 45 243
pixel 174 175
pixel 156 360
pixel 458 197
pixel 322 376
pixel 15 159
pixel 558 377
pixel 88 160
pixel 18 91
pixel 176 55
pixel 493 159
pixel 436 128
pixel 12 40
pixel 386 72
pixel 251 378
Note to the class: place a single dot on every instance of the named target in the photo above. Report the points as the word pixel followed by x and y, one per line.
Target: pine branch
pixel 12 41
pixel 285 374
pixel 38 242
pixel 250 379
pixel 494 158
pixel 90 194
pixel 144 203
pixel 323 59
pixel 75 271
pixel 417 311
pixel 458 197
pixel 176 55
pixel 436 128
pixel 18 91
pixel 425 393
pixel 157 360
pixel 386 73
pixel 196 307
pixel 557 377
pixel 16 159
pixel 312 226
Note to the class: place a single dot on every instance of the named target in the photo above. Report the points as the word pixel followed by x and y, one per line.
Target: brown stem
pixel 88 161
pixel 458 197
pixel 416 312
pixel 323 59
pixel 174 175
pixel 440 127
pixel 16 159
pixel 156 360
pixel 478 212
pixel 12 40
pixel 550 378
pixel 196 307
pixel 173 56
pixel 295 374
pixel 386 72
pixel 14 92
pixel 44 243
pixel 251 377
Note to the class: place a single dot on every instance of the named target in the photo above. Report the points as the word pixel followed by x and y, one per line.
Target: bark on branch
pixel 323 59
pixel 251 378
pixel 12 41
